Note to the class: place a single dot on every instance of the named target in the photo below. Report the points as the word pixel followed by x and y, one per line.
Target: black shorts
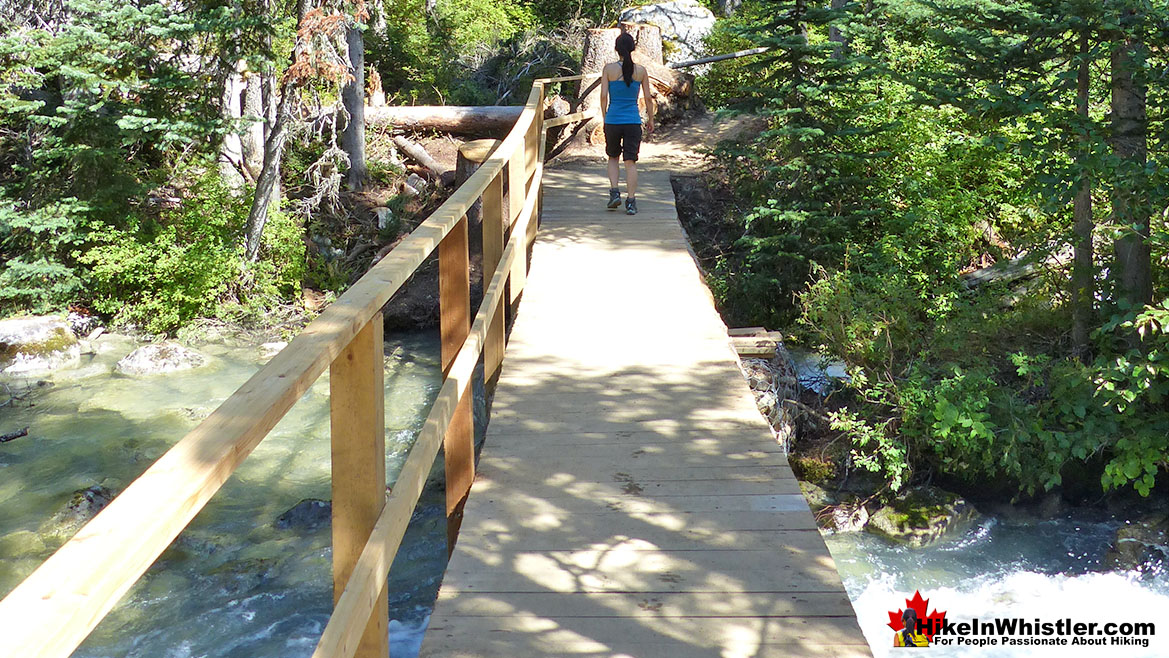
pixel 623 139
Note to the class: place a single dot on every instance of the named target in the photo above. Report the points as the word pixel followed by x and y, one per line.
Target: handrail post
pixel 493 243
pixel 357 423
pixel 517 184
pixel 454 294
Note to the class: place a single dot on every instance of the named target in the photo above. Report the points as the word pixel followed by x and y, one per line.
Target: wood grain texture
pixel 358 446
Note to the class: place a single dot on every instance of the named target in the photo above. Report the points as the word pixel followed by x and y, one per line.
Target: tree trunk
pixel 231 155
pixel 1130 145
pixel 835 35
pixel 267 186
pixel 254 137
pixel 353 99
pixel 1083 271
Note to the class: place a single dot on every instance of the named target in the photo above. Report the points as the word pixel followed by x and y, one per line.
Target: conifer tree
pixel 803 165
pixel 1030 64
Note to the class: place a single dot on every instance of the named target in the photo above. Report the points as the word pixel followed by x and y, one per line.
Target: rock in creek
pixel 840 513
pixel 1142 545
pixel 309 515
pixel 82 506
pixel 684 23
pixel 159 358
pixel 922 516
pixel 36 344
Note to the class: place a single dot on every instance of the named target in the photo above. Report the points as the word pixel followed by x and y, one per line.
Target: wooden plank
pixel 604 638
pixel 454 286
pixel 493 243
pixel 569 118
pixel 652 605
pixel 357 422
pixel 599 530
pixel 616 569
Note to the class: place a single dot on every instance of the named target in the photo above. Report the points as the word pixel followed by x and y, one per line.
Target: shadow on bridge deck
pixel 631 500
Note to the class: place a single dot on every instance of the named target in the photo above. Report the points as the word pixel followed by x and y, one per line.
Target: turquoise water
pixel 232 584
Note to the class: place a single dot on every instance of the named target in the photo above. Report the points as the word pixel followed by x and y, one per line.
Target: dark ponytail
pixel 625 47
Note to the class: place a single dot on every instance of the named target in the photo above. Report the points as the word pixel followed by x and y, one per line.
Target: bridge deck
pixel 630 499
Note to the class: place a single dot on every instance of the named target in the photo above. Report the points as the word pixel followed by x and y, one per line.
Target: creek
pixel 1045 569
pixel 233 583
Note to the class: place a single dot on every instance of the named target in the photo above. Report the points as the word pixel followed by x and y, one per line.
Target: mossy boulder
pixel 812 469
pixel 1142 545
pixel 922 516
pixel 37 344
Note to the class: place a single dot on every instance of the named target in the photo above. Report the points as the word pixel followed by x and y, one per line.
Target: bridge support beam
pixel 357 421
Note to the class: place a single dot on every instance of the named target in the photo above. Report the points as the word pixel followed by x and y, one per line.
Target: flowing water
pixel 236 585
pixel 1048 570
pixel 233 584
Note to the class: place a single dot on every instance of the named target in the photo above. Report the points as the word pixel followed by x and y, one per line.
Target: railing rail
pixel 59 604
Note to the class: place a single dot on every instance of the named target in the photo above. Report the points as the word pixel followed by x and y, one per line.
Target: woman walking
pixel 620 83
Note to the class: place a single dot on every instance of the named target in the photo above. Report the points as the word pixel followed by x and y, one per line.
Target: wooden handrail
pixel 59 604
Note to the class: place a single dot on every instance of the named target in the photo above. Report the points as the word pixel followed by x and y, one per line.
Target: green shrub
pixel 189 263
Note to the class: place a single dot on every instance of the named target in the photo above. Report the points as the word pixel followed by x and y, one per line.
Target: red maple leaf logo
pixel 929 623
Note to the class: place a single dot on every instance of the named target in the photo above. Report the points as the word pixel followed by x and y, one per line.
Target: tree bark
pixel 353 99
pixel 231 155
pixel 1130 145
pixel 835 34
pixel 1083 270
pixel 254 137
pixel 267 185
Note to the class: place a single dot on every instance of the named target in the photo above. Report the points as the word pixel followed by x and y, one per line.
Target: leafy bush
pixel 189 263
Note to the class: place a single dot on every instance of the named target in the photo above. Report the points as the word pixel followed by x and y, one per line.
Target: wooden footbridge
pixel 630 500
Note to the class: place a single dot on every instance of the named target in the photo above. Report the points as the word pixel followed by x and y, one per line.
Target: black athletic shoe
pixel 630 207
pixel 614 199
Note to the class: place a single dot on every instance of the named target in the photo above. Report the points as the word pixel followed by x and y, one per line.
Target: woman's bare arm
pixel 604 93
pixel 650 106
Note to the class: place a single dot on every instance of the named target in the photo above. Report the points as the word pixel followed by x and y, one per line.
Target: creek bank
pixel 846 500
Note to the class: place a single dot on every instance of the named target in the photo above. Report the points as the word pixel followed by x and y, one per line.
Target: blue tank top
pixel 623 103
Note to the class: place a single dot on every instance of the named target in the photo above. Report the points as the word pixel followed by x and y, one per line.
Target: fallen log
pixel 473 120
pixel 1016 269
pixel 455 119
pixel 420 156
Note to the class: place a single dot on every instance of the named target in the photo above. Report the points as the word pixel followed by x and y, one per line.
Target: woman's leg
pixel 613 168
pixel 630 175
